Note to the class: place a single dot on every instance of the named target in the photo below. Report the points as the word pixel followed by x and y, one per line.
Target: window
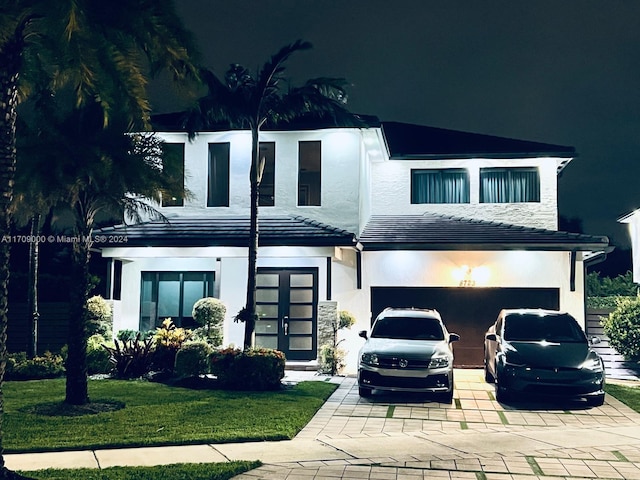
pixel 440 186
pixel 218 181
pixel 267 184
pixel 309 173
pixel 509 185
pixel 173 166
pixel 172 295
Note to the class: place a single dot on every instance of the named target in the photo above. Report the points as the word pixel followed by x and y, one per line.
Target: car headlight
pixel 370 359
pixel 439 362
pixel 593 364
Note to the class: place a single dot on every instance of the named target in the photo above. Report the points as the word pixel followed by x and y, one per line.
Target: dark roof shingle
pixel 440 232
pixel 228 231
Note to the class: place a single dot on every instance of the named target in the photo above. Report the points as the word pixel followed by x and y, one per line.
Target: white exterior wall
pixel 391 192
pixel 510 269
pixel 633 222
pixel 340 153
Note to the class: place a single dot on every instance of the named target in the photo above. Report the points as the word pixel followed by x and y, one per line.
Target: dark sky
pixel 556 71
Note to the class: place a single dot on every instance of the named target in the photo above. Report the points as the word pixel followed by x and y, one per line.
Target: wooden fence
pixel 615 364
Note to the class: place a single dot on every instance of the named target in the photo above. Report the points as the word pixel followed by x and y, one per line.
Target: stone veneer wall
pixel 327 315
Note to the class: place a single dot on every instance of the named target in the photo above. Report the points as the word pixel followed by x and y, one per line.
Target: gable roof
pixel 440 232
pixel 408 141
pixel 227 231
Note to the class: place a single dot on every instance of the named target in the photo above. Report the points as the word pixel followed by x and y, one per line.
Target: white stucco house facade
pixel 632 220
pixel 356 219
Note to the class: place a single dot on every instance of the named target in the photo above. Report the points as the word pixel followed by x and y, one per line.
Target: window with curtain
pixel 172 295
pixel 440 186
pixel 218 181
pixel 509 185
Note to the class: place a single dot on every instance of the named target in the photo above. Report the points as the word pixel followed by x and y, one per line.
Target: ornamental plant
pixel 251 369
pixel 622 326
pixel 168 339
pixel 332 357
pixel 209 313
pixel 100 317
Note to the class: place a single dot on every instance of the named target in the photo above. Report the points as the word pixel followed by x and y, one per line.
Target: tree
pixel 102 50
pixel 90 170
pixel 245 100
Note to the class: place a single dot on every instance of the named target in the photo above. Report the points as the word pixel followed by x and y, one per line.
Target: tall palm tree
pixel 244 100
pixel 90 172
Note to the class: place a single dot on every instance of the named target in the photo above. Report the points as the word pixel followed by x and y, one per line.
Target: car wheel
pixel 365 391
pixel 503 394
pixel 597 401
pixel 445 397
pixel 488 377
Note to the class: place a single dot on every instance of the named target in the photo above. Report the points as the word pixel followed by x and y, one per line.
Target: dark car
pixel 532 351
pixel 408 350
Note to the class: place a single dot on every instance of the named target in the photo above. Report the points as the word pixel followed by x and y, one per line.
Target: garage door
pixel 465 311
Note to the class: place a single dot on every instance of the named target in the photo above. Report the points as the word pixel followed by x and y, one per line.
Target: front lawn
pixel 630 396
pixel 155 414
pixel 205 471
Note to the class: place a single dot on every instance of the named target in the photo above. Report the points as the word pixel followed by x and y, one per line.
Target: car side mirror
pixel 363 334
pixel 453 337
pixel 594 340
pixel 491 336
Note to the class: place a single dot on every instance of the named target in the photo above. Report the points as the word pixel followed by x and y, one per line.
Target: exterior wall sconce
pixel 467 276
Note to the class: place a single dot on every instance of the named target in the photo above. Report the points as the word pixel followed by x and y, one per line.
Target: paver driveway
pixel 410 437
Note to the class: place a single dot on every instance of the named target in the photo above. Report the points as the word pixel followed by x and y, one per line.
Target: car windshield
pixel 408 328
pixel 536 328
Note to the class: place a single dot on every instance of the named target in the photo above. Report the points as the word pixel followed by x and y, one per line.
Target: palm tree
pixel 89 172
pixel 243 100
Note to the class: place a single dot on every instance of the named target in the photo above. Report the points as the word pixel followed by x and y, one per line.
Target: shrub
pixel 124 335
pixel 100 317
pixel 332 359
pixel 253 369
pixel 209 313
pixel 19 367
pixel 131 358
pixel 168 340
pixel 622 326
pixel 192 359
pixel 97 356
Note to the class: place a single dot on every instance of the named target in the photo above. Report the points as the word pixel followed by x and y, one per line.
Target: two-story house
pixel 354 219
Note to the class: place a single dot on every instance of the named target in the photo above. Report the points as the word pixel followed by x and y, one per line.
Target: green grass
pixel 155 414
pixel 630 396
pixel 196 471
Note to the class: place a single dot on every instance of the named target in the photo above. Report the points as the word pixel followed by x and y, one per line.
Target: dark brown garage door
pixel 465 311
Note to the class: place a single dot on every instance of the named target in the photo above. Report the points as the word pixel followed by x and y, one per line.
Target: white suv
pixel 407 350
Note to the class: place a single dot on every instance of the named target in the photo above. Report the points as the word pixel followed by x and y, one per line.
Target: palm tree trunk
pixel 34 252
pixel 76 366
pixel 250 322
pixel 10 53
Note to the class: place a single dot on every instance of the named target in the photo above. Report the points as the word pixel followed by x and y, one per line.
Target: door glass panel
pixel 267 295
pixel 267 326
pixel 193 290
pixel 300 327
pixel 301 296
pixel 300 343
pixel 263 341
pixel 301 280
pixel 301 311
pixel 270 311
pixel 267 280
pixel 147 305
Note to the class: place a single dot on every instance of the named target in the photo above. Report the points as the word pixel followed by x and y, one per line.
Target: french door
pixel 287 301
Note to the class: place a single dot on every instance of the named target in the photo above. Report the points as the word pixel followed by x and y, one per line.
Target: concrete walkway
pixel 409 437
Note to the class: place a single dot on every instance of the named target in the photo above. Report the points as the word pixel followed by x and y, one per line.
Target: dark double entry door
pixel 287 306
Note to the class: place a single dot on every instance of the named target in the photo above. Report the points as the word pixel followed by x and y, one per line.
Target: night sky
pixel 564 72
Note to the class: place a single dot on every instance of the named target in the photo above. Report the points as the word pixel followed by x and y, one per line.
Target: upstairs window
pixel 267 184
pixel 173 166
pixel 509 185
pixel 218 181
pixel 440 186
pixel 309 173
